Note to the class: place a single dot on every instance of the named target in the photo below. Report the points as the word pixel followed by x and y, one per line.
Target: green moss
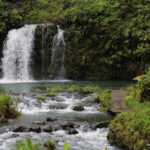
pixel 54 89
pixel 7 109
pixel 41 97
pixel 131 130
pixel 73 88
pixel 38 90
pixel 104 98
pixel 90 89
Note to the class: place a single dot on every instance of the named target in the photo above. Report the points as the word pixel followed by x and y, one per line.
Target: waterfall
pixel 58 56
pixel 17 52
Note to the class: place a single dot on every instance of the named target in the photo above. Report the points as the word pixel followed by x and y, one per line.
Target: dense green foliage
pixel 131 128
pixel 7 110
pixel 106 40
pixel 143 87
pixel 110 39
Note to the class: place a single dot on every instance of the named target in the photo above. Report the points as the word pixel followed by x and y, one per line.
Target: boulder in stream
pixel 103 124
pixel 39 122
pixel 35 129
pixel 78 108
pixel 47 128
pixel 67 125
pixel 49 119
pixel 72 131
pixel 20 129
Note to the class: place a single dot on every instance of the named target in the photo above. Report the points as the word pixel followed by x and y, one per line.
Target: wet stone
pixel 68 124
pixel 20 129
pixel 72 131
pixel 103 124
pixel 39 122
pixel 35 129
pixel 78 108
pixel 51 119
pixel 14 135
pixel 46 128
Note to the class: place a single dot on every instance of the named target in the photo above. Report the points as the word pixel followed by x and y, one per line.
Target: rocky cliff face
pixel 42 51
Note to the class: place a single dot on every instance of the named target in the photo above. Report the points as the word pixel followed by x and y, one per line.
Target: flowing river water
pixel 61 108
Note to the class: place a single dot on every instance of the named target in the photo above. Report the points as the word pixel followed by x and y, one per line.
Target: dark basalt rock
pixel 67 125
pixel 35 129
pixel 51 119
pixel 20 129
pixel 39 122
pixel 47 128
pixel 41 54
pixel 72 131
pixel 103 124
pixel 14 135
pixel 78 108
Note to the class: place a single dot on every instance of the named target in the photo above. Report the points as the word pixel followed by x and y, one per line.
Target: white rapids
pixel 62 109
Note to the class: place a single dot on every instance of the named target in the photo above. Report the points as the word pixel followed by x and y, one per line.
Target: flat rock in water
pixel 49 119
pixel 47 128
pixel 35 129
pixel 103 124
pixel 68 124
pixel 20 129
pixel 39 122
pixel 72 131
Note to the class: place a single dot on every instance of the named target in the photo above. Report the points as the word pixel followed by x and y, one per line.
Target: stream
pixel 60 107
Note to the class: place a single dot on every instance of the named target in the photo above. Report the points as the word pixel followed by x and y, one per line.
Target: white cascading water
pixel 59 45
pixel 17 52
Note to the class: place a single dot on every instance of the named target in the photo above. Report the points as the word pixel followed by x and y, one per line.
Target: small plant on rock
pixel 27 145
pixel 49 144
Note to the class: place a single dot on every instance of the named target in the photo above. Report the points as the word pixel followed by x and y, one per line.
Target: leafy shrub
pixel 143 87
pixel 49 144
pixel 131 130
pixel 27 145
pixel 7 110
pixel 66 147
